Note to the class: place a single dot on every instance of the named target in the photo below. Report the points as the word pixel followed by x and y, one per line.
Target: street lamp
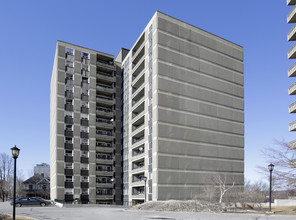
pixel 270 167
pixel 145 180
pixel 15 153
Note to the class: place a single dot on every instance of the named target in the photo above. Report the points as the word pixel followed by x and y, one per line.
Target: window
pixel 70 51
pixel 69 63
pixel 85 55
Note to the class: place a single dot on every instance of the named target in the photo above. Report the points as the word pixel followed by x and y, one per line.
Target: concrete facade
pixel 85 126
pixel 186 112
pixel 180 117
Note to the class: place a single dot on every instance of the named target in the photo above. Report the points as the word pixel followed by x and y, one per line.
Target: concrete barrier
pixel 285 202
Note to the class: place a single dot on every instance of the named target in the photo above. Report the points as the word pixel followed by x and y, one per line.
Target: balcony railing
pixel 84 110
pixel 101 144
pixel 108 133
pixel 104 109
pixel 104 97
pixel 105 74
pixel 135 140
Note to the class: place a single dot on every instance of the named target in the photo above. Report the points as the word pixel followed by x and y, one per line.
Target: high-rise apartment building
pixel 177 103
pixel 291 18
pixel 292 70
pixel 85 129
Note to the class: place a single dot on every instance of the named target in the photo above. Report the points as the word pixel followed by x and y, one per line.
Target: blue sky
pixel 30 29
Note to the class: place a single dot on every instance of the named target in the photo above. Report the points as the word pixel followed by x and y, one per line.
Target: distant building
pixel 42 169
pixel 37 186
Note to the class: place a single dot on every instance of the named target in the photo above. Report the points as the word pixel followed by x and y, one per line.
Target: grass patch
pixel 284 210
pixel 9 217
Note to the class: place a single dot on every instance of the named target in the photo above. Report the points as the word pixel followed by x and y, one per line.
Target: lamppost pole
pixel 15 152
pixel 145 179
pixel 270 167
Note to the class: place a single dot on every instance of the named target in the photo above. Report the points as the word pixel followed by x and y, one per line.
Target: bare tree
pixel 223 185
pixel 284 173
pixel 255 193
pixel 5 175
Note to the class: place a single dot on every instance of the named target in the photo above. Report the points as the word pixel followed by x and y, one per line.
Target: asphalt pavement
pixel 123 213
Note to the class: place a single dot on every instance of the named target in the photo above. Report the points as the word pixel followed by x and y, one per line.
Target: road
pixel 122 213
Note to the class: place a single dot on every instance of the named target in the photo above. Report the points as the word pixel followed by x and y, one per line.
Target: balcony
pixel 139 140
pixel 68 133
pixel 138 191
pixel 84 134
pixel 104 197
pixel 85 85
pixel 85 61
pixel 292 34
pixel 138 69
pixel 104 123
pixel 84 198
pixel 84 147
pixel 138 83
pixel 107 161
pixel 107 100
pixel 292 71
pixel 105 65
pixel 292 126
pixel 107 112
pixel 292 145
pixel 84 172
pixel 70 57
pixel 104 135
pixel 104 173
pixel 104 185
pixel 68 197
pixel 68 159
pixel 68 172
pixel 106 77
pixel 138 125
pixel 84 110
pixel 292 89
pixel 105 89
pixel 138 151
pixel 138 178
pixel 291 2
pixel 85 97
pixel 292 108
pixel 84 159
pixel 292 52
pixel 69 107
pixel 69 81
pixel 84 185
pixel 139 55
pixel 69 70
pixel 69 184
pixel 69 95
pixel 138 164
pixel 104 147
pixel 138 112
pixel 138 45
pixel 291 18
pixel 68 120
pixel 137 103
pixel 84 122
pixel 85 73
pixel 68 146
pixel 138 97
